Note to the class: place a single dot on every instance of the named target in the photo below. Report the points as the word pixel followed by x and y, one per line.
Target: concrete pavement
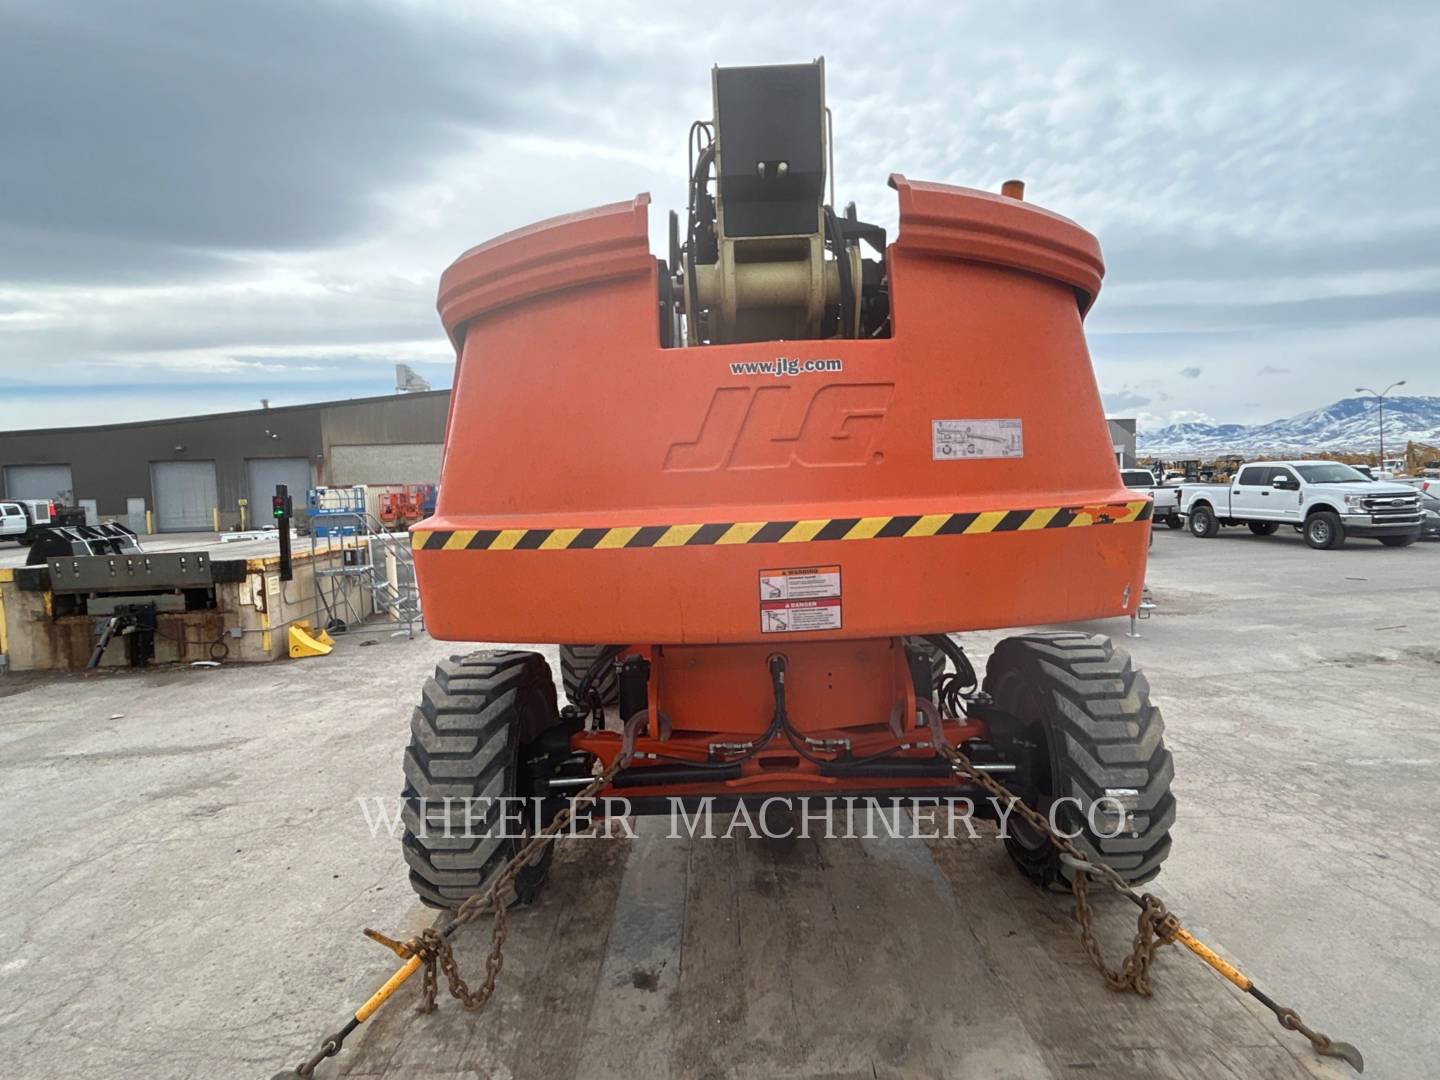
pixel 188 871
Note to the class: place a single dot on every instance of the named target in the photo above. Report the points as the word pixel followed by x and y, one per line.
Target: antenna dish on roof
pixel 407 382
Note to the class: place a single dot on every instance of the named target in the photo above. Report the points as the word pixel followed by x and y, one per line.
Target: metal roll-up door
pixel 184 494
pixel 39 482
pixel 264 474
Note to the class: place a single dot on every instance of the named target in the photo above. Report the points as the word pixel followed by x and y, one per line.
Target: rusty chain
pixel 433 946
pixel 1155 926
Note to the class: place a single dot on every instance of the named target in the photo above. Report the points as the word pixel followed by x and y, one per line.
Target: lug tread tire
pixel 464 739
pixel 575 660
pixel 1104 733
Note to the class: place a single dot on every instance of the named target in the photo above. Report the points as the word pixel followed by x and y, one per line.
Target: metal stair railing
pixel 397 595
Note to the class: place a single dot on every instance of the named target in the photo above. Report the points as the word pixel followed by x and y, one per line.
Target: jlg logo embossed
pixel 773 427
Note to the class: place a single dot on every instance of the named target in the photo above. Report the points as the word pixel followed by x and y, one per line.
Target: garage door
pixel 39 482
pixel 184 495
pixel 264 474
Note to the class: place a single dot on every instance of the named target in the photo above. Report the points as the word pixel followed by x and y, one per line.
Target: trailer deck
pixel 841 958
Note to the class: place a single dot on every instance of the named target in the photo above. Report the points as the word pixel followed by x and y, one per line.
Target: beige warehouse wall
pixel 391 441
pixel 389 463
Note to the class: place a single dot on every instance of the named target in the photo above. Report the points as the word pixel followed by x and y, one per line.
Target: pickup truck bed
pixel 1165 500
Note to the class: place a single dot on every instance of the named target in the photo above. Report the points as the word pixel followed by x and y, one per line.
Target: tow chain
pixel 430 950
pixel 434 945
pixel 1155 927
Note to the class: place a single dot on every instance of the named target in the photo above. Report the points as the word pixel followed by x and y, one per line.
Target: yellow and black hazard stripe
pixel 780 532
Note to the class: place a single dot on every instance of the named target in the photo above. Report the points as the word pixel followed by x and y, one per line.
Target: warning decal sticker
pixel 962 440
pixel 799 598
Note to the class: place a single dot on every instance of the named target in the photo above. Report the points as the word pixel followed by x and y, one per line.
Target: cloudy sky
pixel 203 204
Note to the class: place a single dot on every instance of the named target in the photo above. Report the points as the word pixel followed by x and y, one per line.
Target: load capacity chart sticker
pixel 967 440
pixel 799 598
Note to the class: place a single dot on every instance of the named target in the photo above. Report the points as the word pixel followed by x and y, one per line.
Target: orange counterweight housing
pixel 956 475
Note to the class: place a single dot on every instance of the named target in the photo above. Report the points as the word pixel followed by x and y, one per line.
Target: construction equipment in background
pixel 103 589
pixel 400 509
pixel 795 458
pixel 53 541
pixel 1422 459
pixel 340 511
pixel 392 510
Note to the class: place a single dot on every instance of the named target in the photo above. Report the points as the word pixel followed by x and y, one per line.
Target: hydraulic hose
pixel 781 721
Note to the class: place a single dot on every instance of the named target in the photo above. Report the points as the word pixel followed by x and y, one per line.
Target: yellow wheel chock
pixel 306 641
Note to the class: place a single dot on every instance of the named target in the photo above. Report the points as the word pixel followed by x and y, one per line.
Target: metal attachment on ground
pixel 1156 926
pixel 430 949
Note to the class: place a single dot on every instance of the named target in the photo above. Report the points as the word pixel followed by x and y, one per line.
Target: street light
pixel 1380 397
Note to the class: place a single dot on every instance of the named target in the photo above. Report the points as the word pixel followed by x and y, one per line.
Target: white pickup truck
pixel 19 518
pixel 1327 501
pixel 1166 500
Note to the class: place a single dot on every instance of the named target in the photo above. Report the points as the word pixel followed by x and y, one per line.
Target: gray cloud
pixel 1124 399
pixel 1270 369
pixel 153 137
pixel 263 195
pixel 1312 311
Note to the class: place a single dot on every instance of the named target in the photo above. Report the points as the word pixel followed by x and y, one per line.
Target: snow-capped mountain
pixel 1349 424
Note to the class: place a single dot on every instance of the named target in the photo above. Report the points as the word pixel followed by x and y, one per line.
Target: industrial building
pixel 200 473
pixel 1122 441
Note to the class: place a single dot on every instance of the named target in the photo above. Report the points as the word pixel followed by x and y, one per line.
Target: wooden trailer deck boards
pixel 832 958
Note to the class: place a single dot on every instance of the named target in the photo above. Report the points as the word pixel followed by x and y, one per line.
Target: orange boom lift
pixel 752 490
pixel 773 473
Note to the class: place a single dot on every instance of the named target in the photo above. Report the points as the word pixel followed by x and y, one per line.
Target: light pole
pixel 1380 397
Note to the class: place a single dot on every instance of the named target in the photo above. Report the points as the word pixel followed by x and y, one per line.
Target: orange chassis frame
pixel 778 769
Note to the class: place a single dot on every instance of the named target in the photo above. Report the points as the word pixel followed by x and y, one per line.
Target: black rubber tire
pixel 1263 528
pixel 575 660
pixel 1203 523
pixel 1174 521
pixel 1089 711
pixel 1398 541
pixel 1323 530
pixel 465 739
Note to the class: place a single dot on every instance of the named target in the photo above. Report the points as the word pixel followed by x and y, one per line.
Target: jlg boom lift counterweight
pixel 790 438
pixel 769 475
